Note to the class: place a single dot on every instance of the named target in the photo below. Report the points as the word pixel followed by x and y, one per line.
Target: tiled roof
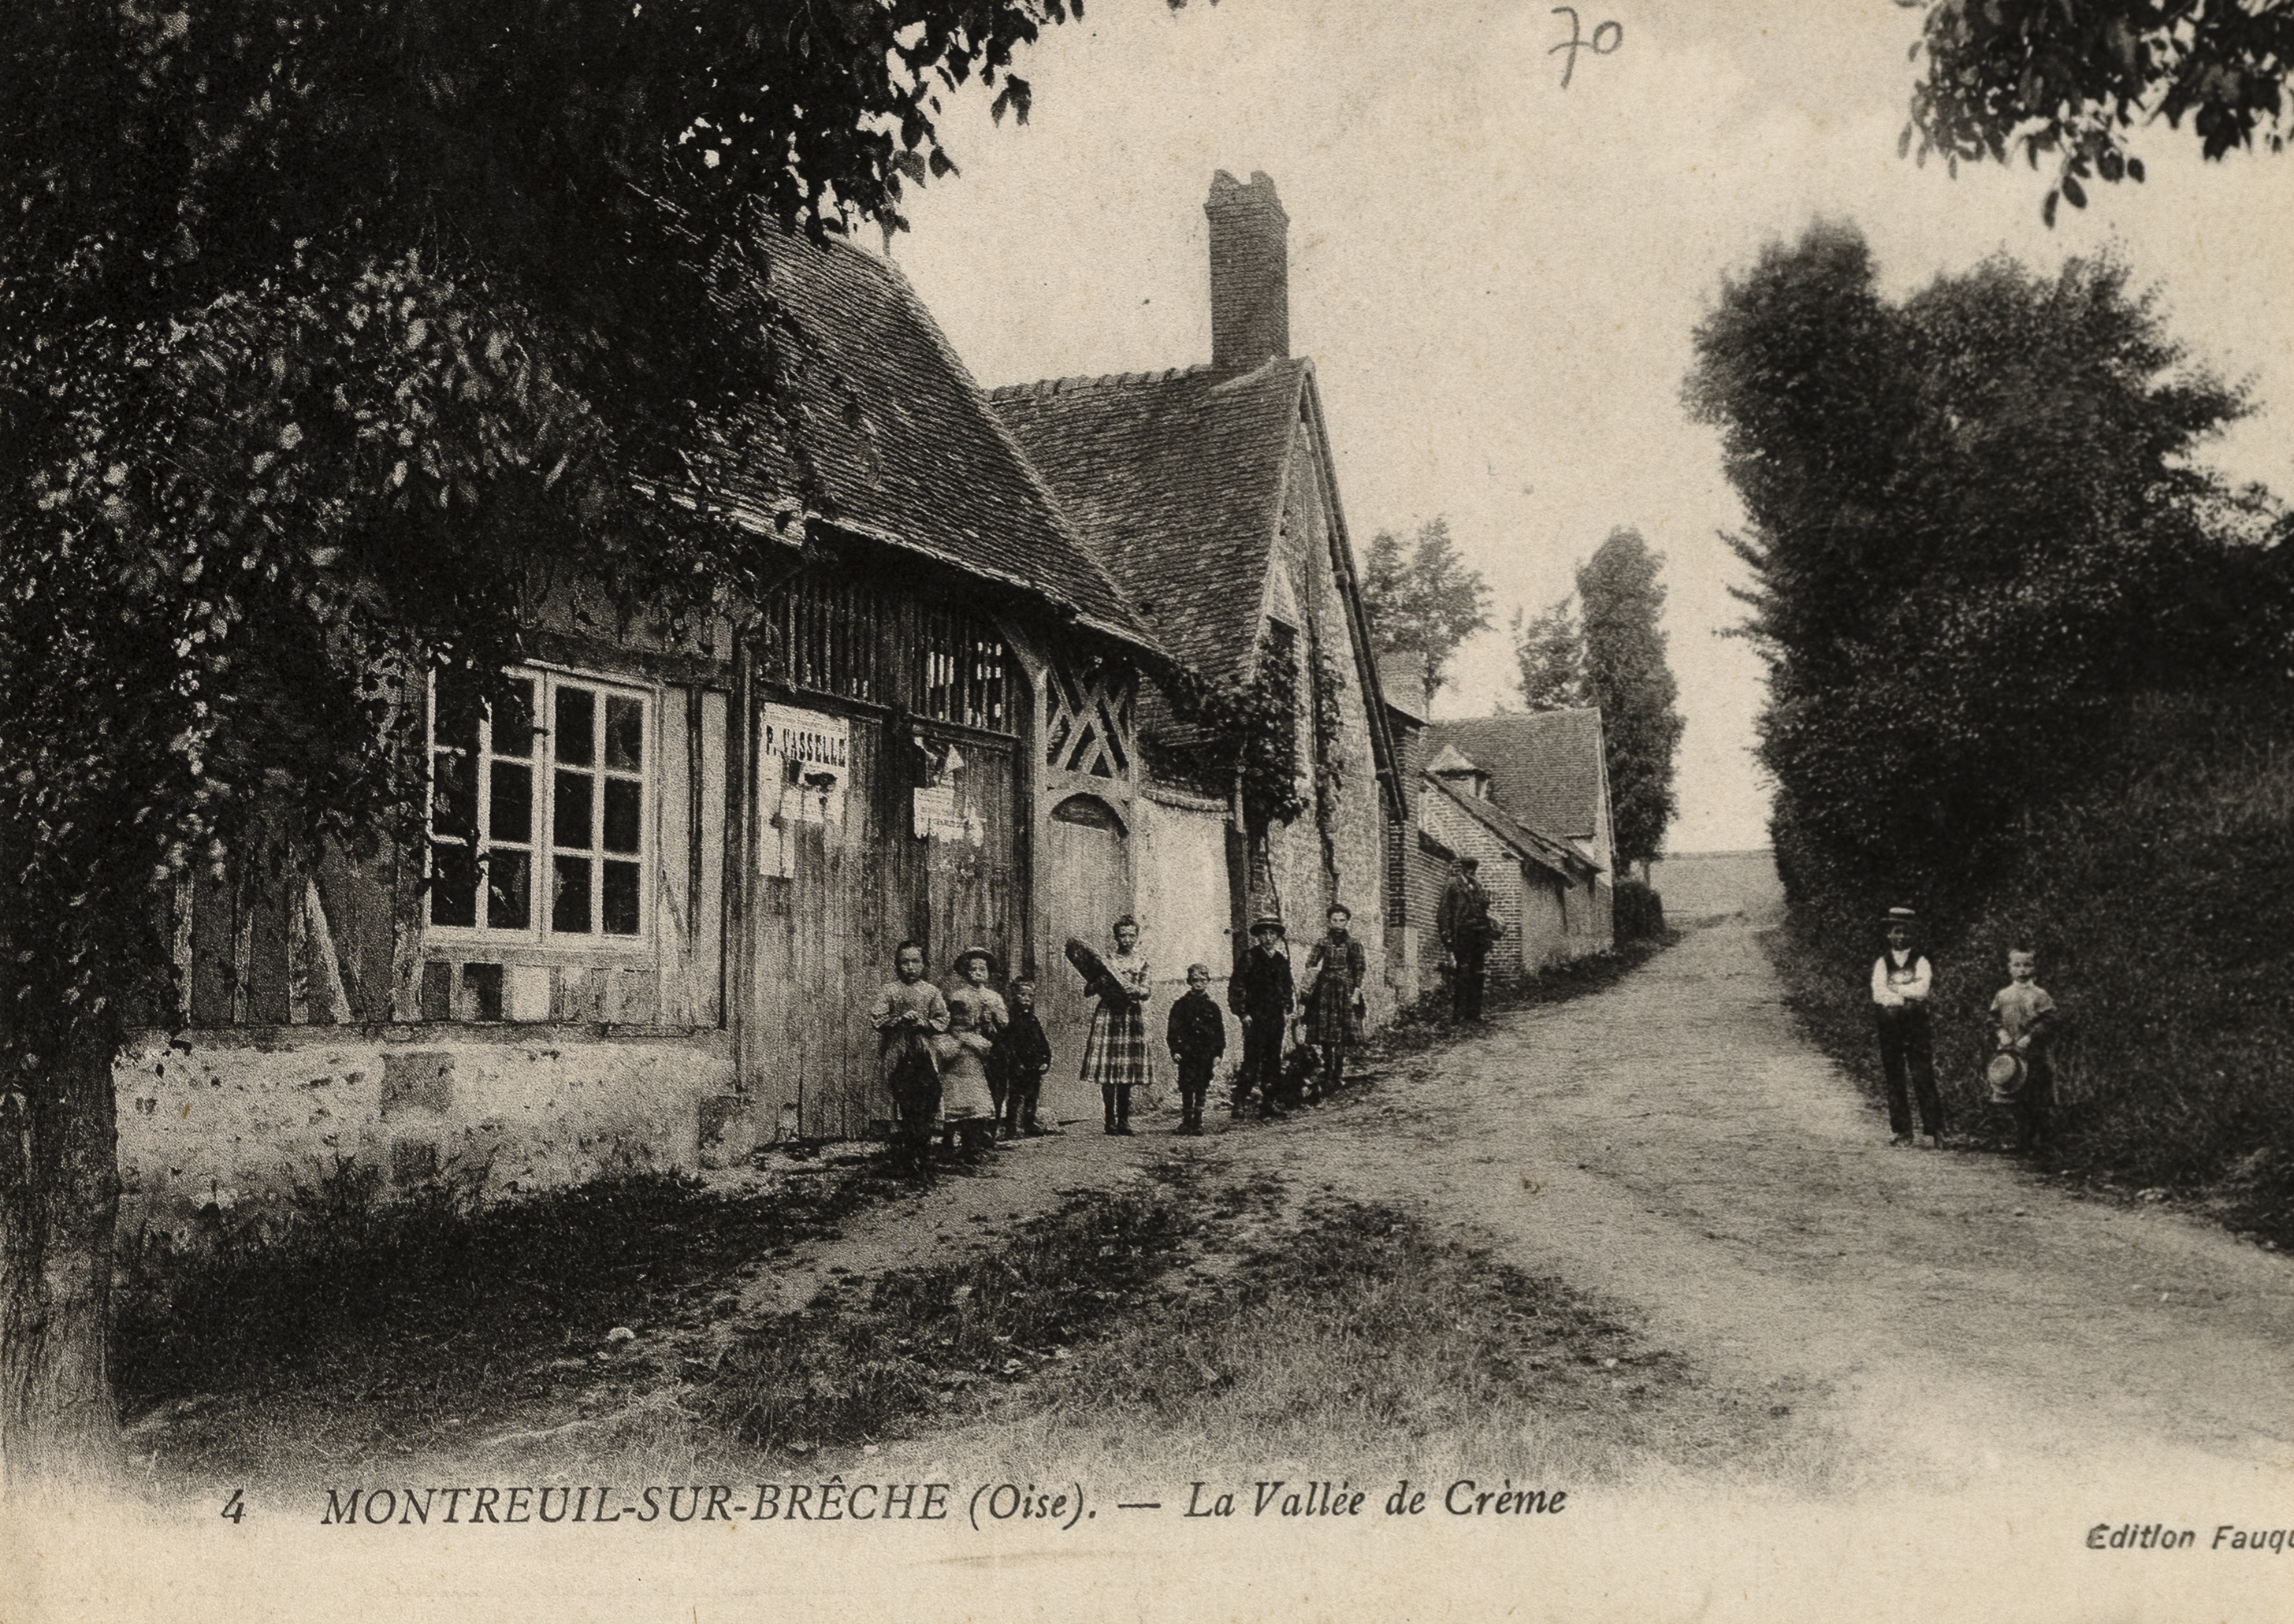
pixel 1544 767
pixel 1175 480
pixel 908 450
pixel 1401 679
pixel 1557 855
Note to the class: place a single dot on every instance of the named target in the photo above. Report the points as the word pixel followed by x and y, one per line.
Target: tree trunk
pixel 59 1205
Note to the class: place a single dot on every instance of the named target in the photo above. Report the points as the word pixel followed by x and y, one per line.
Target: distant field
pixel 1698 884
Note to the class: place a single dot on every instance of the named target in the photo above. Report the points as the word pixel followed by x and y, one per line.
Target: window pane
pixel 624 733
pixel 453 886
pixel 622 798
pixel 570 822
pixel 510 817
pixel 569 914
pixel 453 796
pixel 621 899
pixel 514 722
pixel 575 741
pixel 509 905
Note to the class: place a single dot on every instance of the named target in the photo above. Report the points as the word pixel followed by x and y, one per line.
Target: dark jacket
pixel 1197 1029
pixel 1261 989
pixel 1024 1050
pixel 1464 919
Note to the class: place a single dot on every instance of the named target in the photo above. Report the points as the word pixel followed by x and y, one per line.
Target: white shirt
pixel 1899 979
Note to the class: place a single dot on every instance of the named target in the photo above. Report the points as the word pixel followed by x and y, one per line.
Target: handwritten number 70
pixel 1612 32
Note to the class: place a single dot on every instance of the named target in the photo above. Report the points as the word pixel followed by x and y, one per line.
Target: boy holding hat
pixel 1260 991
pixel 1900 983
pixel 2022 1014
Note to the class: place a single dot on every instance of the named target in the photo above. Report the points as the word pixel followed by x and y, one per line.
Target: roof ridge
pixel 1104 380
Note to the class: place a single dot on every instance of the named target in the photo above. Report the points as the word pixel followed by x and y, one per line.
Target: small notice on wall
pixel 804 764
pixel 935 810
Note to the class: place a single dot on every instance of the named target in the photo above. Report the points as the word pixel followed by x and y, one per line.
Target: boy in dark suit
pixel 1024 1054
pixel 1197 1034
pixel 1261 992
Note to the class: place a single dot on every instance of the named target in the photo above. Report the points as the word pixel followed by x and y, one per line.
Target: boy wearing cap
pixel 1900 982
pixel 1197 1034
pixel 1261 993
pixel 2022 1014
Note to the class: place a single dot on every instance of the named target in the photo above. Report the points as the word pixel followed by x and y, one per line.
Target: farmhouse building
pixel 659 893
pixel 1548 772
pixel 1210 494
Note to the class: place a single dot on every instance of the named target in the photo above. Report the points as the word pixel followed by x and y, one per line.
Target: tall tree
pixel 1549 654
pixel 1974 519
pixel 319 320
pixel 1628 678
pixel 2069 82
pixel 1425 600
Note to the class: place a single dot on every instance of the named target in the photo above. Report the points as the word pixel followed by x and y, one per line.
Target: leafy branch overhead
pixel 2048 78
pixel 337 338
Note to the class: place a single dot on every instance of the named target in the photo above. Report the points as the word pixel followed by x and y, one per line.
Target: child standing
pixel 2022 1015
pixel 1197 1034
pixel 976 1019
pixel 908 1014
pixel 1900 983
pixel 1024 1055
pixel 1334 999
pixel 1260 992
pixel 1115 1054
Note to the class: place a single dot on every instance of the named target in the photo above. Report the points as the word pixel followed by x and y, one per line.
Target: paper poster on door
pixel 804 764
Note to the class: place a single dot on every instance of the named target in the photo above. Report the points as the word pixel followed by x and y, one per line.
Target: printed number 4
pixel 234 1507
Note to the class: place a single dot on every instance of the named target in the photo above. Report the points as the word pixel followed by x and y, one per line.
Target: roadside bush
pixel 2160 902
pixel 1639 911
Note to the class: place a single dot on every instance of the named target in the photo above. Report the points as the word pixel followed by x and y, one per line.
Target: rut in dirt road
pixel 1675 1143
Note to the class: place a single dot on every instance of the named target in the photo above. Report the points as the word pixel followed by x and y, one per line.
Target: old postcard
pixel 1370 809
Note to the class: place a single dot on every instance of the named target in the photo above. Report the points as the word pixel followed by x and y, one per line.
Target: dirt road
pixel 1673 1143
pixel 1917 1321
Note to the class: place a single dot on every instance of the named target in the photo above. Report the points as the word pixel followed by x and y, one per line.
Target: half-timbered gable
pixel 1209 493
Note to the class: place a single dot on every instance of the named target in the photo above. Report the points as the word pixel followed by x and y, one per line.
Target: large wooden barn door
pixel 1086 880
pixel 962 877
pixel 820 919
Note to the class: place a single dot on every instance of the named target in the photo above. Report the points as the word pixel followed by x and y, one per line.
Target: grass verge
pixel 2160 902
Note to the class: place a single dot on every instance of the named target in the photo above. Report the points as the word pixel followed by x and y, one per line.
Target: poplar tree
pixel 1628 678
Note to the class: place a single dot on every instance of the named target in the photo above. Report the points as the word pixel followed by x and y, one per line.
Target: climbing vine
pixel 1258 718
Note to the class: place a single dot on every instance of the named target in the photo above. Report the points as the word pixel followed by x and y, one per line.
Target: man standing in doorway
pixel 1467 932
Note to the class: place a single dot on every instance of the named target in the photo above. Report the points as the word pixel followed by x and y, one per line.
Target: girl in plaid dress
pixel 1116 1055
pixel 1334 999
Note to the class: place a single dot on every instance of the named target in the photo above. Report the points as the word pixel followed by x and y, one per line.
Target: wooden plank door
pixel 1085 881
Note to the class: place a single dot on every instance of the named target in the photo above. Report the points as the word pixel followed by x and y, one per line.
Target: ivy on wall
pixel 1260 717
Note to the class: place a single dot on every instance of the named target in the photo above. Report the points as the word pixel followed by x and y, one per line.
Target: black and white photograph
pixel 1168 809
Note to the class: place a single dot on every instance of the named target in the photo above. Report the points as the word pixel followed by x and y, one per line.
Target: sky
pixel 1498 277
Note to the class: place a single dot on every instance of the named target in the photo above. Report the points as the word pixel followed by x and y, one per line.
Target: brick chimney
pixel 1251 273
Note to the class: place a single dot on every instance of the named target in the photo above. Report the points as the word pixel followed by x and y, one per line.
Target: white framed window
pixel 541 813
